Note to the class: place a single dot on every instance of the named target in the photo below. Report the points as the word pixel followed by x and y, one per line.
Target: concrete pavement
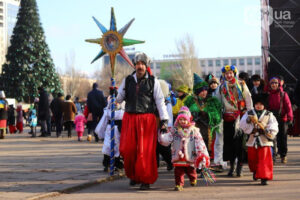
pixel 41 168
pixel 285 185
pixel 31 167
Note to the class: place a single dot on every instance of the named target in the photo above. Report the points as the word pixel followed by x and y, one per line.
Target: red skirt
pixel 138 147
pixel 3 123
pixel 260 162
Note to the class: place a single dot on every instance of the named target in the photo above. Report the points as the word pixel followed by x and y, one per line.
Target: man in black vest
pixel 143 95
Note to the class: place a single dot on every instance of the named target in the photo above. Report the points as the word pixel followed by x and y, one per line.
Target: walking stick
pixel 112 43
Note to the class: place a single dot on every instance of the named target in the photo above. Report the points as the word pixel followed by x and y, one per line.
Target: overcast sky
pixel 218 27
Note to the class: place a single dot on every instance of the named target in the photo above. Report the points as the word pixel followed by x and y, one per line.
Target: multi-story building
pixel 250 64
pixel 8 18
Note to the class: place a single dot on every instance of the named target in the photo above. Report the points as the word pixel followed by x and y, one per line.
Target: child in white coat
pixel 188 148
pixel 103 130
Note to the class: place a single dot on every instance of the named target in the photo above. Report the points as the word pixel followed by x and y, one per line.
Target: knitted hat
pixel 261 98
pixel 184 112
pixel 229 68
pixel 199 84
pixel 211 79
pixel 183 88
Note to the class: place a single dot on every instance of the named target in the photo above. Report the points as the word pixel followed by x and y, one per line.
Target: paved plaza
pixel 43 168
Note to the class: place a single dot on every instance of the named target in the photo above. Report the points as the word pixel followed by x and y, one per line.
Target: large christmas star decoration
pixel 112 41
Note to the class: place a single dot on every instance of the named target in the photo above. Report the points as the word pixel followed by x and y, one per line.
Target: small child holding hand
pixel 188 148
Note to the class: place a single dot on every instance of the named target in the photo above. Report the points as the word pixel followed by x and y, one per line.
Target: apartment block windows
pixel 210 63
pixel 242 61
pixel 257 61
pixel 225 62
pixel 233 61
pixel 249 61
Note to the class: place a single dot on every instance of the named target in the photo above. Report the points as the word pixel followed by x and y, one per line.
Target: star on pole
pixel 112 41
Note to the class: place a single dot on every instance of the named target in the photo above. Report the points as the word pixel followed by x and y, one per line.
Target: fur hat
pixel 139 56
pixel 184 112
pixel 183 88
pixel 164 87
pixel 261 98
pixel 199 84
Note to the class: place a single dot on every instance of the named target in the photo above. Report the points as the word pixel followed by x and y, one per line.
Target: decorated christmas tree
pixel 29 64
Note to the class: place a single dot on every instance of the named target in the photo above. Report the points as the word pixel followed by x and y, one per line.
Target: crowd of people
pixel 234 119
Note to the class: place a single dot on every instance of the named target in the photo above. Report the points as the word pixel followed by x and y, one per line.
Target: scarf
pixel 229 96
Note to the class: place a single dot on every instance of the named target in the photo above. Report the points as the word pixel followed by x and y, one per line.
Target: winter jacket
pixel 69 110
pixel 274 104
pixel 268 120
pixel 79 123
pixel 188 147
pixel 56 107
pixel 43 107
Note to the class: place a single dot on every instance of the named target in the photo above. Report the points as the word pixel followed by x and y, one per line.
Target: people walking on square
pixel 235 101
pixel 280 106
pixel 3 114
pixel 11 120
pixel 165 151
pixel 103 130
pixel 20 118
pixel 183 92
pixel 33 121
pixel 96 102
pixel 43 112
pixel 79 122
pixel 78 105
pixel 189 151
pixel 257 84
pixel 262 127
pixel 206 111
pixel 69 110
pixel 89 118
pixel 219 164
pixel 56 107
pixel 143 95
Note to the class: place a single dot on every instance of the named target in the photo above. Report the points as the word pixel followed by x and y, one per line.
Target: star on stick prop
pixel 112 43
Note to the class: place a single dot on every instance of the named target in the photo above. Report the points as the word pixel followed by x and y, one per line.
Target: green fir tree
pixel 29 64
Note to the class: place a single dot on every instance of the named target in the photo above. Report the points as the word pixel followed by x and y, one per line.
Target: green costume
pixel 206 112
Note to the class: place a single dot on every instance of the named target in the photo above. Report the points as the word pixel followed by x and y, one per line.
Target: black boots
pixel 231 170
pixel 106 162
pixel 264 182
pixel 239 169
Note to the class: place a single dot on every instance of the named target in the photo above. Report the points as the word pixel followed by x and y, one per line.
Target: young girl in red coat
pixel 79 123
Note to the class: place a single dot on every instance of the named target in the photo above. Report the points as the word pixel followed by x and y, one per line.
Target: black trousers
pixel 282 139
pixel 58 125
pixel 233 143
pixel 69 126
pixel 165 152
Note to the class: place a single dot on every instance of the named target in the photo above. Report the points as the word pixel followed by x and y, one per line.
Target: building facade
pixel 8 18
pixel 250 64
